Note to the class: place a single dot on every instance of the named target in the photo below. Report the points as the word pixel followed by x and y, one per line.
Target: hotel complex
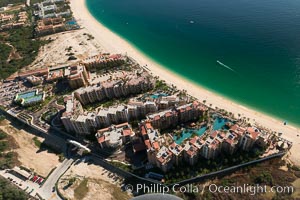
pixel 164 155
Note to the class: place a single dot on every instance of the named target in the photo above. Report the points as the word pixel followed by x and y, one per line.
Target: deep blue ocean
pixel 257 42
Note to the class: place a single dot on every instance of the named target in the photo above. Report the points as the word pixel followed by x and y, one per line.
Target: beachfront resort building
pixel 164 119
pixel 73 109
pixel 77 76
pixel 176 151
pixel 134 110
pixel 50 9
pixel 208 146
pixel 164 159
pixel 178 115
pixel 249 137
pixel 128 83
pixel 115 135
pixel 29 97
pixel 50 26
pixel 102 61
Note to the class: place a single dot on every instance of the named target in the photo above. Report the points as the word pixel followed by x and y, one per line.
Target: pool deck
pixel 218 124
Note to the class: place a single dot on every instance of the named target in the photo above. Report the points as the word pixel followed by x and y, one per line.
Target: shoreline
pixel 113 43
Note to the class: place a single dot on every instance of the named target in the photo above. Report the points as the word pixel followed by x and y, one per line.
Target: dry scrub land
pixel 29 154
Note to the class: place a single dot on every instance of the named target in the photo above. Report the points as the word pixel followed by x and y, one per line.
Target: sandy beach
pixel 113 43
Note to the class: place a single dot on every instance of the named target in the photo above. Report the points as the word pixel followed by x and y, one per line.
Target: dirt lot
pixel 296 185
pixel 91 182
pixel 76 43
pixel 28 154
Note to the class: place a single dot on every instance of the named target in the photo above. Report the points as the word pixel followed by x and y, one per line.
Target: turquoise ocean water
pixel 258 41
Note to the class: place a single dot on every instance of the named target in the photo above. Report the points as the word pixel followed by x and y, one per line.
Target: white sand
pixel 113 43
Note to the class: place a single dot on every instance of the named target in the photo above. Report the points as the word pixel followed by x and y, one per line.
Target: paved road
pixel 47 189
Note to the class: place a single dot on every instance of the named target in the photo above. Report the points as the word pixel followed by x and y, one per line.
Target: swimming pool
pixel 156 96
pixel 33 99
pixel 72 22
pixel 26 95
pixel 188 133
pixel 219 123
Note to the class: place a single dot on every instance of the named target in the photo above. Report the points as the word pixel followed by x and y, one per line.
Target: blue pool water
pixel 155 96
pixel 35 98
pixel 254 38
pixel 187 134
pixel 27 95
pixel 71 22
pixel 219 123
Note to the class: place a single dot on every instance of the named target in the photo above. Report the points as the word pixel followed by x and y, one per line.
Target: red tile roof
pixel 214 134
pixel 192 151
pixel 253 133
pixel 147 143
pixel 157 117
pixel 148 125
pixel 194 139
pixel 229 141
pixel 101 139
pixel 168 114
pixel 127 132
pixel 156 145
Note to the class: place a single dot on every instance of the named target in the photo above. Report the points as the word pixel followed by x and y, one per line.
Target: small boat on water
pixel 223 65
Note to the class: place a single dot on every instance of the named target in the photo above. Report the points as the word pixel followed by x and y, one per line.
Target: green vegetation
pixel 8 159
pixel 71 181
pixel 35 1
pixel 5 51
pixel 60 101
pixel 37 142
pixel 106 103
pixel 161 85
pixel 40 105
pixel 2 135
pixel 26 47
pixel 6 2
pixel 2 117
pixel 3 145
pixel 264 178
pixel 61 157
pixel 10 192
pixel 81 190
pixel 267 170
pixel 48 116
pixel 121 166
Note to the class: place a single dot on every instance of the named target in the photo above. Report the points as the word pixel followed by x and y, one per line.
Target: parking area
pixel 9 90
pixel 30 186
